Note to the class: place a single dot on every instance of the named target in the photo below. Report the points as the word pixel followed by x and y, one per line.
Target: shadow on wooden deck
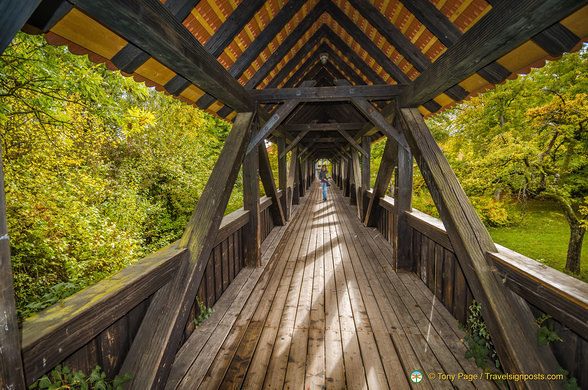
pixel 325 310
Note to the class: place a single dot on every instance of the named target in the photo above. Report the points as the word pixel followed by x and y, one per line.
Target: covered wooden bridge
pixel 355 292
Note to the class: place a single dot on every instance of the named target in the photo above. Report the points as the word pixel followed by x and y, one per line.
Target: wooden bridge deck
pixel 325 310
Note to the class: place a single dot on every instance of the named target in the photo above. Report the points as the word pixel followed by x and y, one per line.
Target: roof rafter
pixel 153 28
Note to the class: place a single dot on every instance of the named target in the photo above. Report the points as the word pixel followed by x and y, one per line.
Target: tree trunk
pixel 574 258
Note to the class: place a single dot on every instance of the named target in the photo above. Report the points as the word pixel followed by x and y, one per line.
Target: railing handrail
pixel 558 294
pixel 72 323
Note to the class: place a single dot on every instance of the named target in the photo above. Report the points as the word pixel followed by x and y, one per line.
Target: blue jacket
pixel 323 176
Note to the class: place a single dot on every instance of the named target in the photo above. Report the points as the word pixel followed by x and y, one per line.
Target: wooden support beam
pixel 299 74
pixel 298 57
pixel 225 34
pixel 327 94
pixel 287 44
pixel 448 33
pixel 277 117
pixel 374 115
pixel 402 205
pixel 292 177
pixel 352 142
pixel 150 26
pixel 295 142
pixel 353 57
pixel 351 73
pixel 367 44
pixel 269 185
pixel 366 144
pixel 251 231
pixel 509 320
pixel 13 15
pixel 155 345
pixel 330 126
pixel 385 171
pixel 283 176
pixel 501 30
pixel 356 192
pixel 404 46
pixel 301 176
pixel 11 368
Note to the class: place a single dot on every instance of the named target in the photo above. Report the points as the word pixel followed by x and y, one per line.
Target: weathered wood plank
pixel 159 333
pixel 385 172
pixel 269 185
pixel 471 241
pixel 152 27
pixel 327 94
pixel 11 365
pixel 505 27
pixel 251 231
pixel 402 203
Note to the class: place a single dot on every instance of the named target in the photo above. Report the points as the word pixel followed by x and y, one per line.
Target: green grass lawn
pixel 543 235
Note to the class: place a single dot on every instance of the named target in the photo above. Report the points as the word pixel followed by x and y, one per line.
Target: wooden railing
pixel 547 291
pixel 97 325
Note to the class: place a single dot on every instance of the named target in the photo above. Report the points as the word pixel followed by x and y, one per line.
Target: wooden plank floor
pixel 325 310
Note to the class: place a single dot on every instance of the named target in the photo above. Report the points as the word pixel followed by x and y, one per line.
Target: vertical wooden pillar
pixel 402 204
pixel 251 231
pixel 385 172
pixel 283 176
pixel 366 144
pixel 356 179
pixel 291 182
pixel 269 185
pixel 301 176
pixel 296 182
pixel 11 372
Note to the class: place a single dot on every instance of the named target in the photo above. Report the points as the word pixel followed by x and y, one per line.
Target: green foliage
pixel 480 346
pixel 569 383
pixel 99 170
pixel 205 312
pixel 545 333
pixel 63 378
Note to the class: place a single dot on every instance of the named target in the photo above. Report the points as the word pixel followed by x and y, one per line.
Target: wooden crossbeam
pixel 509 320
pixel 352 142
pixel 150 26
pixel 327 94
pixel 269 185
pixel 225 34
pixel 374 115
pixel 286 45
pixel 277 117
pixel 501 30
pixel 404 46
pixel 385 171
pixel 295 142
pixel 367 44
pixel 155 345
pixel 353 58
pixel 331 126
pixel 298 57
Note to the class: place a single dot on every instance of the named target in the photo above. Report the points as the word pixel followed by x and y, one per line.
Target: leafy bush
pixel 494 212
pixel 63 378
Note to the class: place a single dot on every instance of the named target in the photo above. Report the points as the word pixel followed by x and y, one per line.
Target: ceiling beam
pixel 367 44
pixel 13 15
pixel 277 117
pixel 300 72
pixel 331 126
pixel 286 45
pixel 327 94
pixel 501 30
pixel 341 64
pixel 297 58
pixel 232 26
pixel 404 46
pixel 294 143
pixel 352 142
pixel 150 26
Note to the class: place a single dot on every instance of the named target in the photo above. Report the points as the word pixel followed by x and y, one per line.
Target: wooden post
pixel 156 343
pixel 382 181
pixel 11 372
pixel 269 185
pixel 251 231
pixel 291 179
pixel 296 182
pixel 283 176
pixel 301 180
pixel 402 204
pixel 366 143
pixel 509 319
pixel 356 177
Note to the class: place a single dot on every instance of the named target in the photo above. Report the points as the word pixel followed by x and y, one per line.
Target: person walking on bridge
pixel 324 178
